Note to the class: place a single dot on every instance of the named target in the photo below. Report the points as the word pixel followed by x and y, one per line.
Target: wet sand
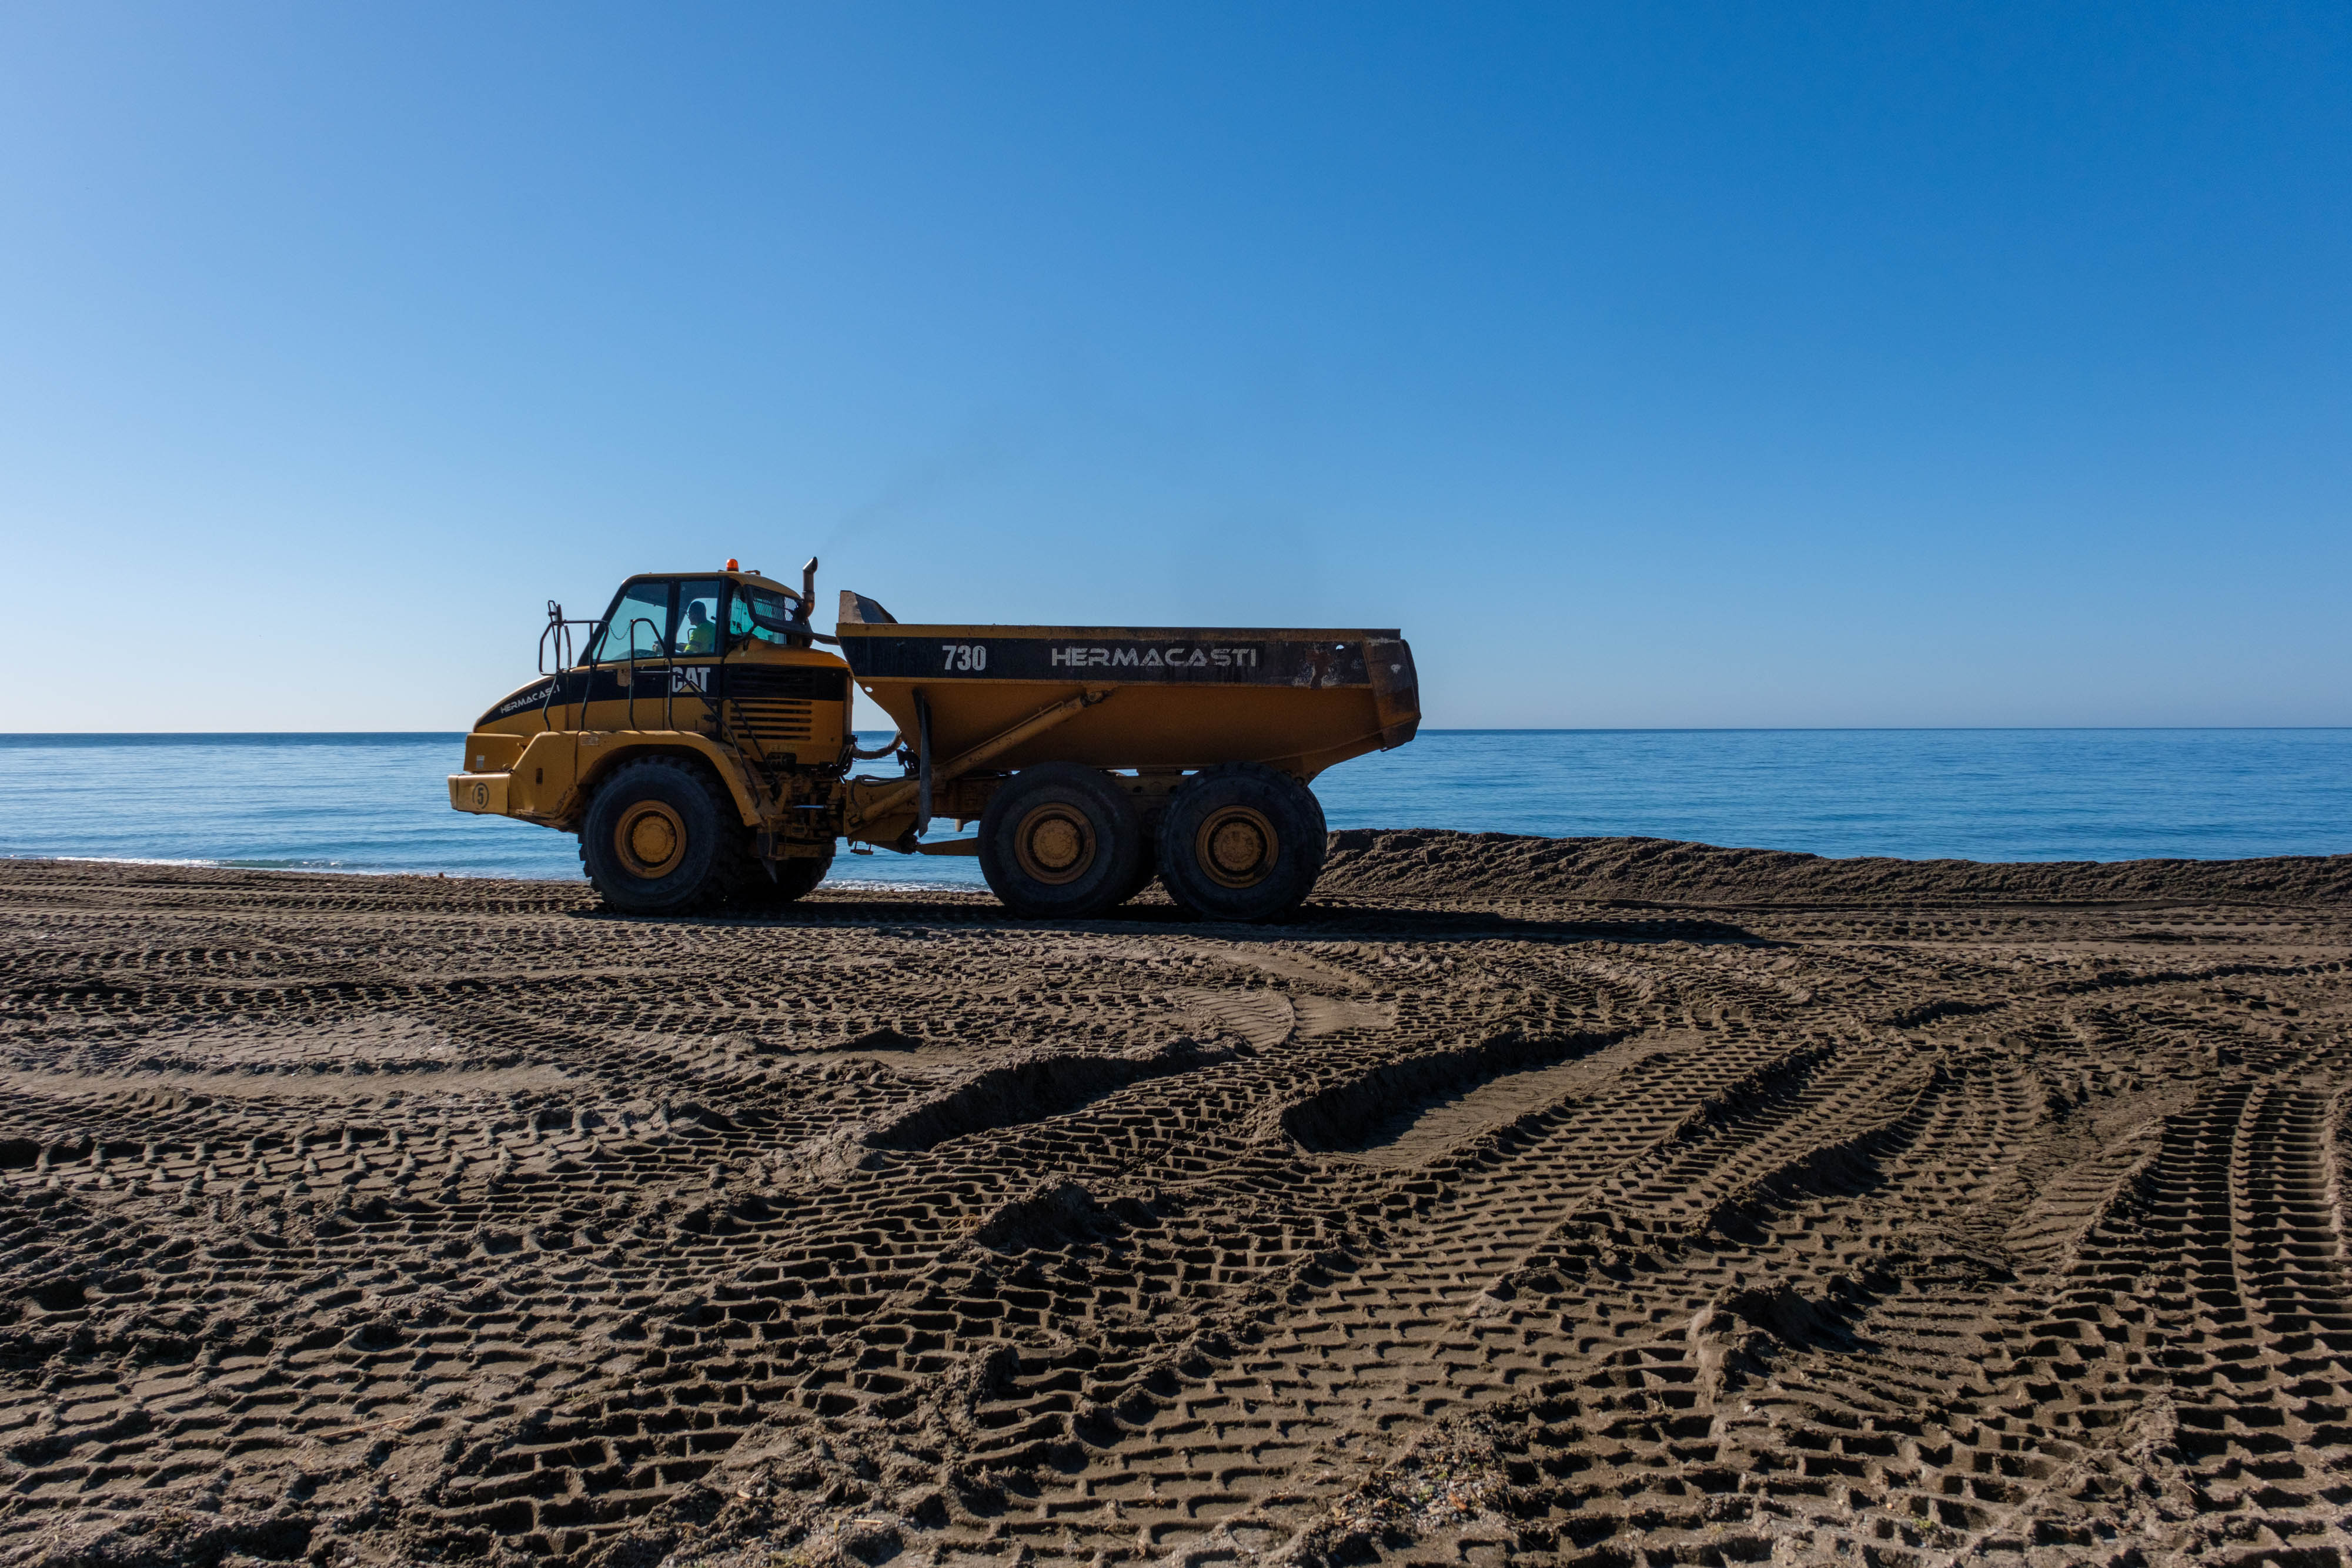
pixel 1607 1201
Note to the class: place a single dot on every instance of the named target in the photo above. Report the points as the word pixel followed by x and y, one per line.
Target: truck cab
pixel 728 655
pixel 716 665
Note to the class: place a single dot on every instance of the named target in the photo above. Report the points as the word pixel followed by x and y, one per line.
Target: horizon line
pixel 1427 729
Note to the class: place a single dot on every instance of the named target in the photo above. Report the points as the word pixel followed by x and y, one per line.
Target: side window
pixel 640 625
pixel 697 616
pixel 763 613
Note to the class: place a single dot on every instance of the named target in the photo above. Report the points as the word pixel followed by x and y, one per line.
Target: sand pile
pixel 1813 1210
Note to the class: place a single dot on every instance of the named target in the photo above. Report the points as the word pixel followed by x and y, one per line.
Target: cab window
pixel 639 627
pixel 697 616
pixel 761 612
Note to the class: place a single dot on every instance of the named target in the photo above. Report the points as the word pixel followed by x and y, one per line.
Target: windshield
pixel 765 613
pixel 639 627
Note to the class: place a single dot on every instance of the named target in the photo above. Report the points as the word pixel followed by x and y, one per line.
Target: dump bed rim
pixel 1131 634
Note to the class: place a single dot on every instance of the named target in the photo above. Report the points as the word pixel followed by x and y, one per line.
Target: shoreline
pixel 2328 867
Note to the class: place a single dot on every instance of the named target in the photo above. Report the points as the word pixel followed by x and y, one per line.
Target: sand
pixel 1607 1201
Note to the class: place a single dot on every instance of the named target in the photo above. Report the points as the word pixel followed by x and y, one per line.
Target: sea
pixel 333 803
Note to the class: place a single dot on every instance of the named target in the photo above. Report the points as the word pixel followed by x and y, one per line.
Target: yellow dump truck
pixel 701 745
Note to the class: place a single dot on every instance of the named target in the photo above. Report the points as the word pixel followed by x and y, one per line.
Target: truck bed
pixel 1165 697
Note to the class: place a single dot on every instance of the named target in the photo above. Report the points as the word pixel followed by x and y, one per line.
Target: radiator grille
pixel 775 720
pixel 769 683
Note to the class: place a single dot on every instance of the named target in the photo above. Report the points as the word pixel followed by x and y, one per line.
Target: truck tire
pixel 1146 866
pixel 1318 831
pixel 795 879
pixel 1061 843
pixel 661 838
pixel 1241 842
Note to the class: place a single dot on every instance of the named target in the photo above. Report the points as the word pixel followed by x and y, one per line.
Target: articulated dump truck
pixel 703 746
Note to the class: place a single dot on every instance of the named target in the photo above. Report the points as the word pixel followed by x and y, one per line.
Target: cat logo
pixel 690 678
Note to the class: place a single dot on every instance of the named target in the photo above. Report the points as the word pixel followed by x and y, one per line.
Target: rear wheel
pixel 1146 866
pixel 1241 842
pixel 661 838
pixel 1061 842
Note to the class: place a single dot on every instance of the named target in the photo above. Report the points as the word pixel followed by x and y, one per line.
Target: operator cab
pixel 661 618
pixel 726 654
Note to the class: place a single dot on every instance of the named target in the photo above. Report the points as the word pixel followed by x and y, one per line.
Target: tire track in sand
pixel 1236 1452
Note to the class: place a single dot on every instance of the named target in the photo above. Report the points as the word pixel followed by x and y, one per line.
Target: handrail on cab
pixel 559 628
pixel 668 665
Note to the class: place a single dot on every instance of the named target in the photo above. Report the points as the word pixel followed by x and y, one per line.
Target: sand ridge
pixel 1549 1200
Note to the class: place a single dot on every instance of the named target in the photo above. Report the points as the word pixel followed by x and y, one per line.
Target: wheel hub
pixel 1054 845
pixel 650 840
pixel 1237 846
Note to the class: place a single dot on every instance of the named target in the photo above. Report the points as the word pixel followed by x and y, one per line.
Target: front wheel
pixel 1061 843
pixel 658 838
pixel 1241 842
pixel 795 879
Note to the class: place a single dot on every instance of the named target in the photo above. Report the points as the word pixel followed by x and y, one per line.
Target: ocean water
pixel 377 803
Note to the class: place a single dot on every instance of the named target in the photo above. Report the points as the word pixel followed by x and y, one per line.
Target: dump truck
pixel 703 746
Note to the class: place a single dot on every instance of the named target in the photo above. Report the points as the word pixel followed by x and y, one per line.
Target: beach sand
pixel 1616 1202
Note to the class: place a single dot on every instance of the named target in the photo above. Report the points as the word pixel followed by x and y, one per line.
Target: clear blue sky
pixel 1650 365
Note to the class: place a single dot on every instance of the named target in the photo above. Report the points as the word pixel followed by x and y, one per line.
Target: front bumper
pixel 483 793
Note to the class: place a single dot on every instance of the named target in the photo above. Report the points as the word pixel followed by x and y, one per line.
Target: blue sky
pixel 1650 365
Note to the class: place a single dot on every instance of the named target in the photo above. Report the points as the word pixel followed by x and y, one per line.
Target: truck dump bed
pixel 1301 699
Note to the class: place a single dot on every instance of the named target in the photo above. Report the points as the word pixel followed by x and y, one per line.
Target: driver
pixel 701 633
